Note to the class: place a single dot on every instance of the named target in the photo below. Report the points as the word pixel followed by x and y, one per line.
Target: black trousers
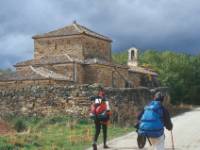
pixel 98 126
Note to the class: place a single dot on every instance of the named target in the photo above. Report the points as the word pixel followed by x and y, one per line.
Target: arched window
pixel 132 54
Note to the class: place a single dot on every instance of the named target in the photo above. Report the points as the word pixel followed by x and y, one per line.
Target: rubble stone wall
pixel 24 71
pixel 59 45
pixel 46 99
pixel 96 48
pixel 106 75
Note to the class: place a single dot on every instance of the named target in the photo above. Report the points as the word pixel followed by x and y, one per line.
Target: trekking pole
pixel 172 138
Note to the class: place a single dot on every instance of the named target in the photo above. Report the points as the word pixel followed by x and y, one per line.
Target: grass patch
pixel 55 133
pixel 20 125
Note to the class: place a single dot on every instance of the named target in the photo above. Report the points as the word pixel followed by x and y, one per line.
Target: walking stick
pixel 172 138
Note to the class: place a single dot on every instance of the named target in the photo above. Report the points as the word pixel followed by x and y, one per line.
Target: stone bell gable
pixel 133 57
pixel 74 40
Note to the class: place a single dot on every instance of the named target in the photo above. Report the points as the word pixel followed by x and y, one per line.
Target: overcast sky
pixel 146 24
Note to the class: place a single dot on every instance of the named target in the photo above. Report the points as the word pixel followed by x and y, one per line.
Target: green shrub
pixel 84 121
pixel 20 125
pixel 56 119
pixel 8 147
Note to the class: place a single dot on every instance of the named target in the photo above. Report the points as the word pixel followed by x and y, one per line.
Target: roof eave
pixel 51 36
pixel 106 39
pixel 83 33
pixel 151 73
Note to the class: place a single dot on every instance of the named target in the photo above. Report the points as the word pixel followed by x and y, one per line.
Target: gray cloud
pixel 9 60
pixel 147 24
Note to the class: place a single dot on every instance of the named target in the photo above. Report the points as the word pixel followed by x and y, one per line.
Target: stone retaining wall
pixel 71 100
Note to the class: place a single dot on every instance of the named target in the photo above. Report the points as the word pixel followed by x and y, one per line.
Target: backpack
pixel 99 111
pixel 151 123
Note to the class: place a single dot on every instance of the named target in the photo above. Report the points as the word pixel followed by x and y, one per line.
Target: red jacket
pixel 97 109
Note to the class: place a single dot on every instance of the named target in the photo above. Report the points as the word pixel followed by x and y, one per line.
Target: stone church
pixel 77 55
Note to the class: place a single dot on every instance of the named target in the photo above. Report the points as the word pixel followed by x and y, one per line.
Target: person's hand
pixel 136 125
pixel 108 112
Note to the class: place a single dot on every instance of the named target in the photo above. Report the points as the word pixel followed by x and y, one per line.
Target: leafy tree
pixel 6 71
pixel 179 71
pixel 120 57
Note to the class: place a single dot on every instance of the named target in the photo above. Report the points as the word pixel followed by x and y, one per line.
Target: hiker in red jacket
pixel 100 112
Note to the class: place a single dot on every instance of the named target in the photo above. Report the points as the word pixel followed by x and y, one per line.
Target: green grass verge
pixel 55 133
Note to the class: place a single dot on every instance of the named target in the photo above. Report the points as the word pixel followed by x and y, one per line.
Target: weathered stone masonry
pixel 51 99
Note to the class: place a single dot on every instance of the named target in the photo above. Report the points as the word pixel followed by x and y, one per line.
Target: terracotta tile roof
pixel 15 76
pixel 53 59
pixel 142 70
pixel 25 63
pixel 73 29
pixel 46 73
pixel 36 73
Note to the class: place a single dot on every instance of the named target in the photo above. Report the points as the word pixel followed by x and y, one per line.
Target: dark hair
pixel 158 96
pixel 101 88
pixel 92 98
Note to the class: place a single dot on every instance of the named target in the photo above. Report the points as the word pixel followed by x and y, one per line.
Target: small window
pixel 132 54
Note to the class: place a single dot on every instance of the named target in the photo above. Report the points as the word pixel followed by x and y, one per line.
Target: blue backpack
pixel 151 123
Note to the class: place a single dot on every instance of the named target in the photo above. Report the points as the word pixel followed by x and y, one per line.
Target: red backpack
pixel 98 111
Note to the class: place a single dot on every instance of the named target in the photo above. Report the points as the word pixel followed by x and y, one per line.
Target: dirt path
pixel 186 134
pixel 4 128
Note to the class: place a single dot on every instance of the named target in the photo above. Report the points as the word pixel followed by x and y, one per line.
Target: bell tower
pixel 133 57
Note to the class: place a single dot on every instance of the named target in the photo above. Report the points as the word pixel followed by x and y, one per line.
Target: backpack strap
pixel 149 141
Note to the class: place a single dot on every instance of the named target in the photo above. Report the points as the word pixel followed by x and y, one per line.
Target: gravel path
pixel 186 134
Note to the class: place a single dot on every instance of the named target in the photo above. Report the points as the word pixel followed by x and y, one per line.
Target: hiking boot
pixel 94 146
pixel 106 146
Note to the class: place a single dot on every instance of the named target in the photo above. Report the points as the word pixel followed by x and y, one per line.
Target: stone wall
pixel 65 69
pixel 141 79
pixel 24 71
pixel 48 99
pixel 117 76
pixel 96 48
pixel 96 73
pixel 59 45
pixel 135 78
pixel 107 75
pixel 81 47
